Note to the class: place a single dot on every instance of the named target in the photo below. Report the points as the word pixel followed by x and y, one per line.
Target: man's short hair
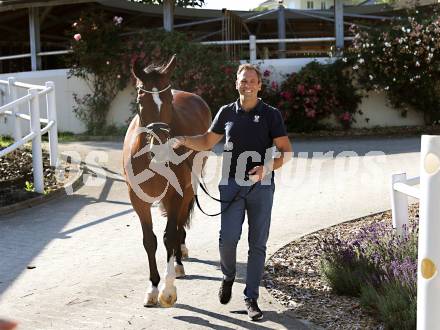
pixel 248 66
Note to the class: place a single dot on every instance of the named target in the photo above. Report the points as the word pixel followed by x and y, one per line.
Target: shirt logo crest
pixel 256 119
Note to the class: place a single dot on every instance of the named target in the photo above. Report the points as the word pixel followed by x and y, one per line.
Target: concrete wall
pixel 374 107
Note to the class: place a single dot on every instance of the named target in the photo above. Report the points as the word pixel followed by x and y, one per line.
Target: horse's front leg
pixel 150 245
pixel 168 292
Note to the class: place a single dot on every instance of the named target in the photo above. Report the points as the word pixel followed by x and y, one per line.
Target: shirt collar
pixel 257 108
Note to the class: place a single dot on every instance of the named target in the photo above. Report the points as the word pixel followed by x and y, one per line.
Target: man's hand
pixel 258 173
pixel 177 142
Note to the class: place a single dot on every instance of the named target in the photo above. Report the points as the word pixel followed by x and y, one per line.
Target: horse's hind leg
pixel 180 271
pixel 168 292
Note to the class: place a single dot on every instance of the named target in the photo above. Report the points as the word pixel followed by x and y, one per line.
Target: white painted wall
pixel 374 107
pixel 64 89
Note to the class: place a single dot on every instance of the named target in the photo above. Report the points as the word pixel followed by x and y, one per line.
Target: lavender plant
pixel 380 267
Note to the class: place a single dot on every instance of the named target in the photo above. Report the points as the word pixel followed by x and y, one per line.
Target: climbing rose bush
pixel 403 60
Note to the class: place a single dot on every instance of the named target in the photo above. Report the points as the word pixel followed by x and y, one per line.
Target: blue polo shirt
pixel 249 134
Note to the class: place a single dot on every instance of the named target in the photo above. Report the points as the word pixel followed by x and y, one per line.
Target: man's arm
pixel 283 145
pixel 198 142
pixel 285 148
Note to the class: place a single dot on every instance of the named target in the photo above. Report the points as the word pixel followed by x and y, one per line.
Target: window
pixel 309 4
pixel 323 5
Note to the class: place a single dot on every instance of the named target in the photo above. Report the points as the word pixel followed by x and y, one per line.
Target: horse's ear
pixel 170 66
pixel 138 70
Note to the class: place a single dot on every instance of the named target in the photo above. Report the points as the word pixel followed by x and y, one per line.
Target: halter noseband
pixel 154 90
pixel 155 125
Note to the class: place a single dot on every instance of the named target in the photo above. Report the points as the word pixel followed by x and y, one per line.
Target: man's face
pixel 248 84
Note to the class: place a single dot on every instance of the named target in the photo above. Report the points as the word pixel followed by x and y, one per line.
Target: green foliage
pixel 316 92
pixel 200 69
pixel 395 305
pixel 29 186
pixel 178 3
pixel 98 58
pixel 402 59
pixel 344 279
pixel 103 57
pixel 5 141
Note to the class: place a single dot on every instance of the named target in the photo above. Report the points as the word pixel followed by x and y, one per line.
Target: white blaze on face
pixel 156 98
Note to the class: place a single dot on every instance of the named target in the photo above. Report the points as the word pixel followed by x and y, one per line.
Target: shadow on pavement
pixel 24 234
pixel 281 319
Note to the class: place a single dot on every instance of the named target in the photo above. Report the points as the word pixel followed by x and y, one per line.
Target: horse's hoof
pixel 180 271
pixel 150 299
pixel 184 251
pixel 168 297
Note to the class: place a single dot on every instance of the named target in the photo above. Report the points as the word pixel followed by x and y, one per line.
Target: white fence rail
pixel 428 281
pixel 253 42
pixel 32 98
pixel 401 188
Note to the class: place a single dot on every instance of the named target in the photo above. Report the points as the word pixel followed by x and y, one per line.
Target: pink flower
pixel 274 85
pixel 228 70
pixel 77 37
pixel 346 116
pixel 300 89
pixel 318 87
pixel 311 91
pixel 311 113
pixel 266 73
pixel 286 95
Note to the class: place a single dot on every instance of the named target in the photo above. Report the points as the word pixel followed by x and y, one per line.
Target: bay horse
pixel 152 171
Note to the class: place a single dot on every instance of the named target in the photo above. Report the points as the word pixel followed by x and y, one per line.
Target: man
pixel 251 127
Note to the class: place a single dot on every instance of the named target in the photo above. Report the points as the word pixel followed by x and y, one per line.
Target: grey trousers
pixel 258 205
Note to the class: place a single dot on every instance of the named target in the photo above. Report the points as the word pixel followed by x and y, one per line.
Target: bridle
pixel 154 126
pixel 154 90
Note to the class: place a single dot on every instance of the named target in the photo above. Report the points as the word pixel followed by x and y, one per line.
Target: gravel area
pixel 16 169
pixel 292 277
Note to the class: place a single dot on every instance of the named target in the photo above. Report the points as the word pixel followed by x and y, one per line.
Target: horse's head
pixel 154 99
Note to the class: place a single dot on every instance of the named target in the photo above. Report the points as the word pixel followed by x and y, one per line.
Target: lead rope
pixel 202 185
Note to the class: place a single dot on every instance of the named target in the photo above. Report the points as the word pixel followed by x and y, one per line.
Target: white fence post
pixel 37 155
pixel 12 91
pixel 252 48
pixel 52 116
pixel 428 281
pixel 399 204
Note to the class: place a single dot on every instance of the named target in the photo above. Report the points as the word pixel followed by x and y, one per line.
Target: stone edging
pixel 72 185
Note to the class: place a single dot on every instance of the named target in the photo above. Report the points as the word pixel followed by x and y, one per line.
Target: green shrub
pixel 103 56
pixel 343 279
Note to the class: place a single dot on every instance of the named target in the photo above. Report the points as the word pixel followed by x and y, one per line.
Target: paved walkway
pixel 91 269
